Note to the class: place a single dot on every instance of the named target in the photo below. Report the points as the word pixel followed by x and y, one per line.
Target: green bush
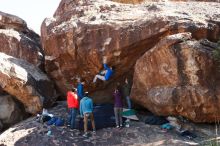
pixel 216 52
pixel 213 143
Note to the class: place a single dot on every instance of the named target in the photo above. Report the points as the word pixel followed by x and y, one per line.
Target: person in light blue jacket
pixel 86 111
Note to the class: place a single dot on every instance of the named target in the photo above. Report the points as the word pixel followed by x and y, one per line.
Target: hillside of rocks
pixel 164 47
pixel 17 40
pixel 24 87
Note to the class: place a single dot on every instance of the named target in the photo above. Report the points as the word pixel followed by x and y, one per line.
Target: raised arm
pixel 105 66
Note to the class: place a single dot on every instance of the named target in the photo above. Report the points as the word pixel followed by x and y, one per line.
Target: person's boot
pixel 85 134
pixel 94 131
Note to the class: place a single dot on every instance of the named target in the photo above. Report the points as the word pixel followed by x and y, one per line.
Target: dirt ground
pixel 32 133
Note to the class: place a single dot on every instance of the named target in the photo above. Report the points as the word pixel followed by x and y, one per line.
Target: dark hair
pixel 113 67
pixel 86 94
pixel 73 90
pixel 118 86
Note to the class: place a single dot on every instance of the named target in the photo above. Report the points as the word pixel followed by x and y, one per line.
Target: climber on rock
pixel 106 74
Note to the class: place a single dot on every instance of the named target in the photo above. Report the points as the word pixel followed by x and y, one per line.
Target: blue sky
pixel 32 11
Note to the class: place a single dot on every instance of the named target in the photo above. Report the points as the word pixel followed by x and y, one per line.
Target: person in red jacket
pixel 73 106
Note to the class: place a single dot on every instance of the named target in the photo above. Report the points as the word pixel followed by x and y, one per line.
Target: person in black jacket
pixel 126 89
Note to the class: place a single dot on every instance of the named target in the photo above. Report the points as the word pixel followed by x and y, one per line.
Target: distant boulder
pixel 26 82
pixel 11 111
pixel 179 76
pixel 17 40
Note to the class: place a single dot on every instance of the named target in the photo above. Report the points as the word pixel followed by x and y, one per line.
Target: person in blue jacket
pixel 105 75
pixel 80 89
pixel 86 111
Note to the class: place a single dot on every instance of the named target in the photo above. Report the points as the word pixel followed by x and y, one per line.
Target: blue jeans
pixel 72 117
pixel 118 116
pixel 128 102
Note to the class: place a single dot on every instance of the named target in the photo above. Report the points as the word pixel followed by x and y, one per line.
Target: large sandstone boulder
pixel 82 33
pixel 26 82
pixel 10 111
pixel 179 77
pixel 19 41
pixel 129 1
pixel 139 1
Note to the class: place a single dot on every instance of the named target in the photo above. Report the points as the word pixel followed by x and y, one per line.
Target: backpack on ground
pixel 52 121
pixel 59 122
pixel 44 118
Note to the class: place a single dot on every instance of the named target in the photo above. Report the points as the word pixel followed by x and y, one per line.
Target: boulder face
pixel 26 82
pixel 139 1
pixel 179 77
pixel 18 41
pixel 129 1
pixel 81 34
pixel 11 111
